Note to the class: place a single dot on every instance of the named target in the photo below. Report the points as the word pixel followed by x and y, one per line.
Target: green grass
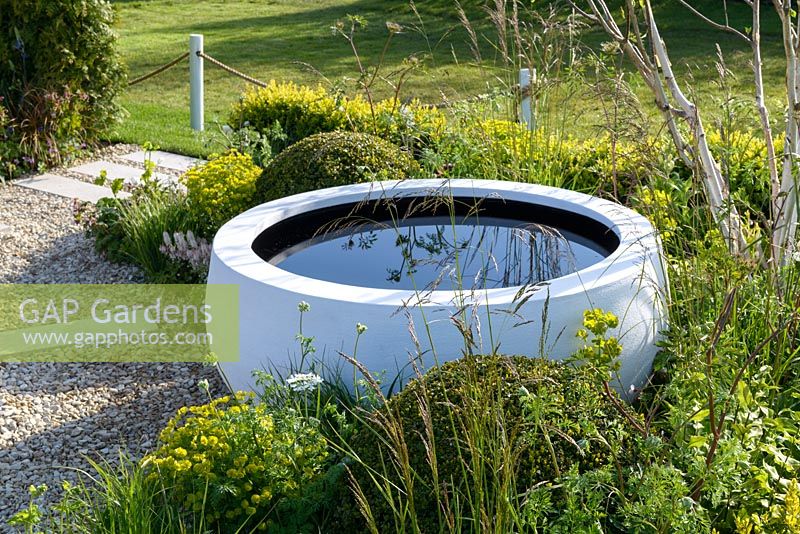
pixel 280 39
pixel 692 46
pixel 292 40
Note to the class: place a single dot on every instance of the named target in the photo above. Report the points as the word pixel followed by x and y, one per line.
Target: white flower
pixel 303 306
pixel 203 384
pixel 301 382
pixel 361 328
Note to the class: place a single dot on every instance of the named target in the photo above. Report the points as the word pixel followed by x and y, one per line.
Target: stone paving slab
pixel 167 160
pixel 131 175
pixel 67 187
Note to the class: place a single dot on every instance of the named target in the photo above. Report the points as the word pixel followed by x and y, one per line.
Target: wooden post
pixel 525 103
pixel 196 82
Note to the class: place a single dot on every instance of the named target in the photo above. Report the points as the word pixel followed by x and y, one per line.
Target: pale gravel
pixel 53 415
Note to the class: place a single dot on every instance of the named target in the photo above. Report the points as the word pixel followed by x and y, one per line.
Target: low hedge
pixel 331 159
pixel 302 111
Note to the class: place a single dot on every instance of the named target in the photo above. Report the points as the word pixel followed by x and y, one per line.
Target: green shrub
pixel 411 125
pixel 238 461
pixel 102 224
pixel 505 150
pixel 331 159
pixel 302 111
pixel 59 72
pixel 299 110
pixel 480 415
pixel 742 157
pixel 10 163
pixel 221 189
pixel 133 229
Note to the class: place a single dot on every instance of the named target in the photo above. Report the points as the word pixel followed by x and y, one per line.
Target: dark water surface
pixel 439 253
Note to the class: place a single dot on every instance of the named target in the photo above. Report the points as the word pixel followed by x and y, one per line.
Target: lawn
pixel 281 40
pixel 292 40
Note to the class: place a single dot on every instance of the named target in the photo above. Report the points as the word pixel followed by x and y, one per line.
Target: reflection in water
pixel 436 253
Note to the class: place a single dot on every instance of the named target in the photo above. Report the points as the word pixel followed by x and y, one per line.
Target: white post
pixel 525 91
pixel 196 82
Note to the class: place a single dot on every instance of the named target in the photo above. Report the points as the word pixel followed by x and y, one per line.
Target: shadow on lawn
pixel 306 36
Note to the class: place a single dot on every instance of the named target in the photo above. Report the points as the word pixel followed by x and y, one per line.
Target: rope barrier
pixel 514 91
pixel 231 70
pixel 159 70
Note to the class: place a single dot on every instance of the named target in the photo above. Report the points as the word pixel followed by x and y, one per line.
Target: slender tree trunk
pixel 763 114
pixel 786 201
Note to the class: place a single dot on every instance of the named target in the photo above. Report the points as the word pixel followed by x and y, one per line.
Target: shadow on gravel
pixel 115 415
pixel 71 259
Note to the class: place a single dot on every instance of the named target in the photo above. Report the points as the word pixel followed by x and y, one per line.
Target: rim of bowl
pixel 233 244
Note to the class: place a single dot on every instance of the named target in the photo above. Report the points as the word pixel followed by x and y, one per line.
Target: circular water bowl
pixel 430 264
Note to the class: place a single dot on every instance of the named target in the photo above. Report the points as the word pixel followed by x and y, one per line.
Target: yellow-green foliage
pixel 783 517
pixel 302 111
pixel 598 349
pixel 742 157
pixel 331 159
pixel 222 188
pixel 656 204
pixel 507 150
pixel 236 460
pixel 409 124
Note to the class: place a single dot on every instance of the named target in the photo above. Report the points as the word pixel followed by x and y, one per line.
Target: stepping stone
pixel 67 187
pixel 131 175
pixel 167 160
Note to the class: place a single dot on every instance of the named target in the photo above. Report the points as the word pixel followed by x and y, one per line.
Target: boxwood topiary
pixel 331 159
pixel 573 425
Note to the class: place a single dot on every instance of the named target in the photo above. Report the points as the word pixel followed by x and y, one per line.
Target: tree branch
pixel 717 25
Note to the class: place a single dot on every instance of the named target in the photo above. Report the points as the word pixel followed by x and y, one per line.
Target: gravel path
pixel 52 415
